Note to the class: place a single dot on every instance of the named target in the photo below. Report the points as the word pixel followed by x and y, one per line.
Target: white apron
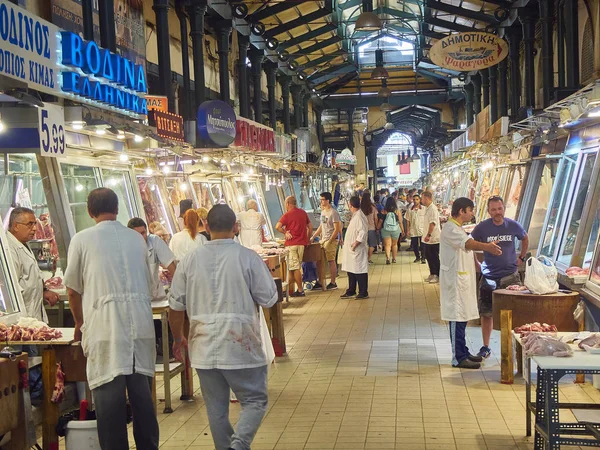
pixel 30 279
pixel 356 261
pixel 458 285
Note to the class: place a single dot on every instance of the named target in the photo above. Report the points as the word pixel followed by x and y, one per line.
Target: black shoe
pixel 417 260
pixel 423 261
pixel 298 294
pixel 387 262
pixel 475 358
pixel 331 286
pixel 468 364
pixel 393 261
pixel 409 249
pixel 347 295
pixel 362 296
pixel 317 286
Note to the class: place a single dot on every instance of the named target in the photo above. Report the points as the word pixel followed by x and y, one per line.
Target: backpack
pixel 390 223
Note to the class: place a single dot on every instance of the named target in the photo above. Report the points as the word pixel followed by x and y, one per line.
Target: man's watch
pixel 522 258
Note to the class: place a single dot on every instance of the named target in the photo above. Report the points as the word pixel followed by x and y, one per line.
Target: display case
pixel 536 198
pixel 252 190
pixel 566 206
pixel 593 283
pixel 203 194
pixel 11 301
pixel 274 207
pixel 178 188
pixel 152 191
pixel 514 186
pixel 304 196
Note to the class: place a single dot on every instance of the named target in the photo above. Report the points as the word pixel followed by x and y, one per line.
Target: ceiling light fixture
pixel 100 131
pixel 272 43
pixel 239 10
pixel 148 171
pixel 301 75
pixel 123 157
pixel 257 28
pixel 386 107
pixel 368 20
pixel 121 135
pixel 78 124
pixel 283 55
pixel 380 72
pixel 293 65
pixel 138 138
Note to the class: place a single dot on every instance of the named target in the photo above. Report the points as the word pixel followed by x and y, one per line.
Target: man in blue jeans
pixel 221 285
pixel 497 271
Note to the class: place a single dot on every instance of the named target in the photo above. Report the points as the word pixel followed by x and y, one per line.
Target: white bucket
pixel 82 435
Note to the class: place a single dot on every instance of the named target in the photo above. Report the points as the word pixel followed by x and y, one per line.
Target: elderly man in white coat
pixel 355 252
pixel 110 287
pixel 222 285
pixel 458 286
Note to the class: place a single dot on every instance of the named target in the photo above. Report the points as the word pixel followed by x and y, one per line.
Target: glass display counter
pixel 252 190
pixel 593 283
pixel 11 302
pixel 152 201
pixel 513 192
pixel 178 189
pixel 274 208
pixel 203 194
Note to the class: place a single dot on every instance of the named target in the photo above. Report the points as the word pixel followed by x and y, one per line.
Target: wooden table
pixel 548 429
pixel 12 407
pixel 168 369
pixel 512 309
pixel 315 253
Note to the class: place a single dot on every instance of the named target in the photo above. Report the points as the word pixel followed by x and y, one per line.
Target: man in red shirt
pixel 296 227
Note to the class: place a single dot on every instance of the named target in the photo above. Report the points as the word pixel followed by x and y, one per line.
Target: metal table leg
pixel 166 366
pixel 540 411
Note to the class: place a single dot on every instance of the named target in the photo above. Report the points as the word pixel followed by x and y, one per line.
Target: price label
pixel 52 131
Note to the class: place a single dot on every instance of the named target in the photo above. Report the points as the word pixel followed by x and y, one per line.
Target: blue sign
pixel 102 76
pixel 216 122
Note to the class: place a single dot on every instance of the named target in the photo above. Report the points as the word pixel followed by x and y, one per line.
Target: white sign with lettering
pixel 52 131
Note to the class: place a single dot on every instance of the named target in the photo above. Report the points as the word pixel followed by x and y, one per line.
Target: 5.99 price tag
pixel 52 131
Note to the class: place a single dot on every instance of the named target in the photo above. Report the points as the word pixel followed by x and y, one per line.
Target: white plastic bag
pixel 541 275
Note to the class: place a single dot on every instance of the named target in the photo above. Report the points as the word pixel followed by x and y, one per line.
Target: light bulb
pixel 138 138
pixel 245 177
pixel 205 159
pixel 124 157
pixel 77 126
pixel 223 161
pixel 166 169
pixel 1 127
pixel 100 131
pixel 241 199
pixel 183 186
pixel 121 135
pixel 148 171
pixel 79 188
pixel 251 171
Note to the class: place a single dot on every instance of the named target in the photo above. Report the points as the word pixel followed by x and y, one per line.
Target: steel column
pixel 244 91
pixel 485 86
pixel 185 60
pixel 223 30
pixel 256 59
pixel 515 71
pixel 476 81
pixel 469 103
pixel 502 88
pixel 547 20
pixel 350 113
pixel 492 74
pixel 161 10
pixel 571 10
pixel 87 16
pixel 285 81
pixel 106 18
pixel 305 100
pixel 271 71
pixel 196 10
pixel 296 91
pixel 527 20
pixel 560 44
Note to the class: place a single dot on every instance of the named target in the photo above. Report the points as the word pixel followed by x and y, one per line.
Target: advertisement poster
pixel 129 25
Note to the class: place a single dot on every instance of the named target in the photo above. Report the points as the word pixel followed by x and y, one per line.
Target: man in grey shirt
pixel 330 231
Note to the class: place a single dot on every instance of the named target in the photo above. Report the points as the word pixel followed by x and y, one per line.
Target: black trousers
pixel 432 254
pixel 417 246
pixel 363 283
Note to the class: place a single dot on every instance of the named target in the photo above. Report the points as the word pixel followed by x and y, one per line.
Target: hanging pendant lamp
pixel 368 20
pixel 384 91
pixel 380 72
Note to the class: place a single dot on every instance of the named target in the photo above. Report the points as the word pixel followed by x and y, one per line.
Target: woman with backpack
pixel 390 223
pixel 369 210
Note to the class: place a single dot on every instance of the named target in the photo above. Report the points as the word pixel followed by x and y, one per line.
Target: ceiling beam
pixel 502 3
pixel 458 11
pixel 327 74
pixel 433 34
pixel 277 8
pixel 307 36
pixel 449 25
pixel 316 47
pixel 339 84
pixel 302 20
pixel 374 100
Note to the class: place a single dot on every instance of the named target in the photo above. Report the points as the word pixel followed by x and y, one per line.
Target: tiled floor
pixel 375 374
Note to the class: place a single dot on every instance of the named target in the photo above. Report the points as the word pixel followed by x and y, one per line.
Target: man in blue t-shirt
pixel 497 272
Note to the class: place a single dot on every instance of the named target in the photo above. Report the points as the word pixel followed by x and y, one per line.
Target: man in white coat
pixel 110 285
pixel 221 285
pixel 458 287
pixel 355 252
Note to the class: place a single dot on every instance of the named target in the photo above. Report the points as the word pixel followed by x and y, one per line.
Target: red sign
pixel 168 125
pixel 254 136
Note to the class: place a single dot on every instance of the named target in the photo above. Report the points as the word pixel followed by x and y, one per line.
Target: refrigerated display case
pixel 274 207
pixel 514 187
pixel 203 194
pixel 562 222
pixel 593 283
pixel 153 191
pixel 177 189
pixel 305 196
pixel 11 301
pixel 536 198
pixel 252 190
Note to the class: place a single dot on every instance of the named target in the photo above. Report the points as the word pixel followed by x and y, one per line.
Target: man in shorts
pixel 501 271
pixel 295 225
pixel 330 231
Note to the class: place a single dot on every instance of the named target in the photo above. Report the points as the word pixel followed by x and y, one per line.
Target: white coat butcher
pixel 30 278
pixel 357 260
pixel 108 264
pixel 458 286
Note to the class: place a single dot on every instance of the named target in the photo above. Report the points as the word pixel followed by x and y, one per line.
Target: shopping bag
pixel 267 344
pixel 541 275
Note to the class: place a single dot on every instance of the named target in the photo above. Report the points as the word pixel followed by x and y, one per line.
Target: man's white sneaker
pixel 428 279
pixel 434 280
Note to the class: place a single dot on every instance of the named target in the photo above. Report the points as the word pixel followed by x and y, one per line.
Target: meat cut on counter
pixel 537 344
pixel 574 271
pixel 535 327
pixel 516 287
pixel 25 334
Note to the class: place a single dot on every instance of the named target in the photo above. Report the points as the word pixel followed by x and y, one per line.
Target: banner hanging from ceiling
pixel 465 52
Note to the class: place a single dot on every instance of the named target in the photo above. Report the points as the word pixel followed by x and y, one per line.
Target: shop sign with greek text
pixel 465 52
pixel 168 125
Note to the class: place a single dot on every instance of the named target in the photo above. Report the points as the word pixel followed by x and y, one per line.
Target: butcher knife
pixel 29 425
